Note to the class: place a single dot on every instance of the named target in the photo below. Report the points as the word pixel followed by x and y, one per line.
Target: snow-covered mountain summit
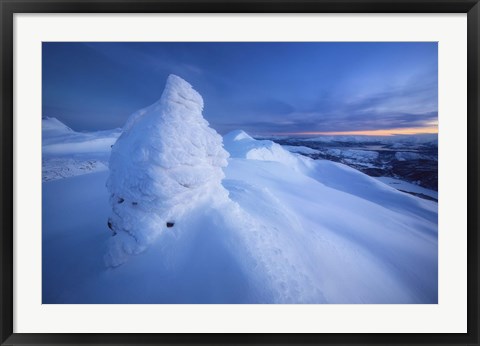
pixel 268 227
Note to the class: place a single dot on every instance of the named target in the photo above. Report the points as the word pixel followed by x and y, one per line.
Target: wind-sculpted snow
pixel 270 227
pixel 241 145
pixel 316 232
pixel 166 160
pixel 345 248
pixel 343 178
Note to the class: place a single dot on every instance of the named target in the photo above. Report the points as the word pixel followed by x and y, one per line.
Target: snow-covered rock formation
pixel 166 161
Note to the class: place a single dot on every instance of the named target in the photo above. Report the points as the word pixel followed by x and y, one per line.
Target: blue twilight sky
pixel 258 87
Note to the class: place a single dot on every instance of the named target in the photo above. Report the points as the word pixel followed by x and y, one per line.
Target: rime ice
pixel 166 159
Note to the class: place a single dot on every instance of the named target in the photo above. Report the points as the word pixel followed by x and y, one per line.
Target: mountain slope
pixel 287 234
pixel 173 220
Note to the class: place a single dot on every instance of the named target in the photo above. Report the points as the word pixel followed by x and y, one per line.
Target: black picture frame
pixel 10 7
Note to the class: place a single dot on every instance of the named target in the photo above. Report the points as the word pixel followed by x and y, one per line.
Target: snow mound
pixel 240 145
pixel 166 162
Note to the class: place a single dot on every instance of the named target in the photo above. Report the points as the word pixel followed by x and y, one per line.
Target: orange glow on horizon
pixel 386 132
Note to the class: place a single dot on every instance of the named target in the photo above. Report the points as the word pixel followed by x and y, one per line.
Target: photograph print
pixel 239 173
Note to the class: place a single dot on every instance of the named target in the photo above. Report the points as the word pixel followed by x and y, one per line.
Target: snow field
pixel 252 222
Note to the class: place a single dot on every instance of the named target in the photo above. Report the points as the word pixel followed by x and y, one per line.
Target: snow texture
pixel 67 153
pixel 314 232
pixel 59 168
pixel 165 161
pixel 269 227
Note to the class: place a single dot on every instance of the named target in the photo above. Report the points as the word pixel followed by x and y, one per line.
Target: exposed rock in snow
pixel 407 156
pixel 365 158
pixel 166 160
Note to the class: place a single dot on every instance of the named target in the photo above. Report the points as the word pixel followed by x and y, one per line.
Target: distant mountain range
pixel 412 158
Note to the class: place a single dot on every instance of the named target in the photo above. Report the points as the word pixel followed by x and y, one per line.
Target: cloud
pixel 130 56
pixel 411 105
pixel 248 87
pixel 354 122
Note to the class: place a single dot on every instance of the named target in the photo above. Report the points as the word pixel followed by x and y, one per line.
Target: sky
pixel 371 88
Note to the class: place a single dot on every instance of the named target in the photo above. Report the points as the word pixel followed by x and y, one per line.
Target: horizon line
pixel 384 132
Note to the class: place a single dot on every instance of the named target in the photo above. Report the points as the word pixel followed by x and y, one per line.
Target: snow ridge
pixel 50 124
pixel 240 145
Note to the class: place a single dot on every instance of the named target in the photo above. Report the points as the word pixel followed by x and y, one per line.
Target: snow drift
pixel 166 159
pixel 269 227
